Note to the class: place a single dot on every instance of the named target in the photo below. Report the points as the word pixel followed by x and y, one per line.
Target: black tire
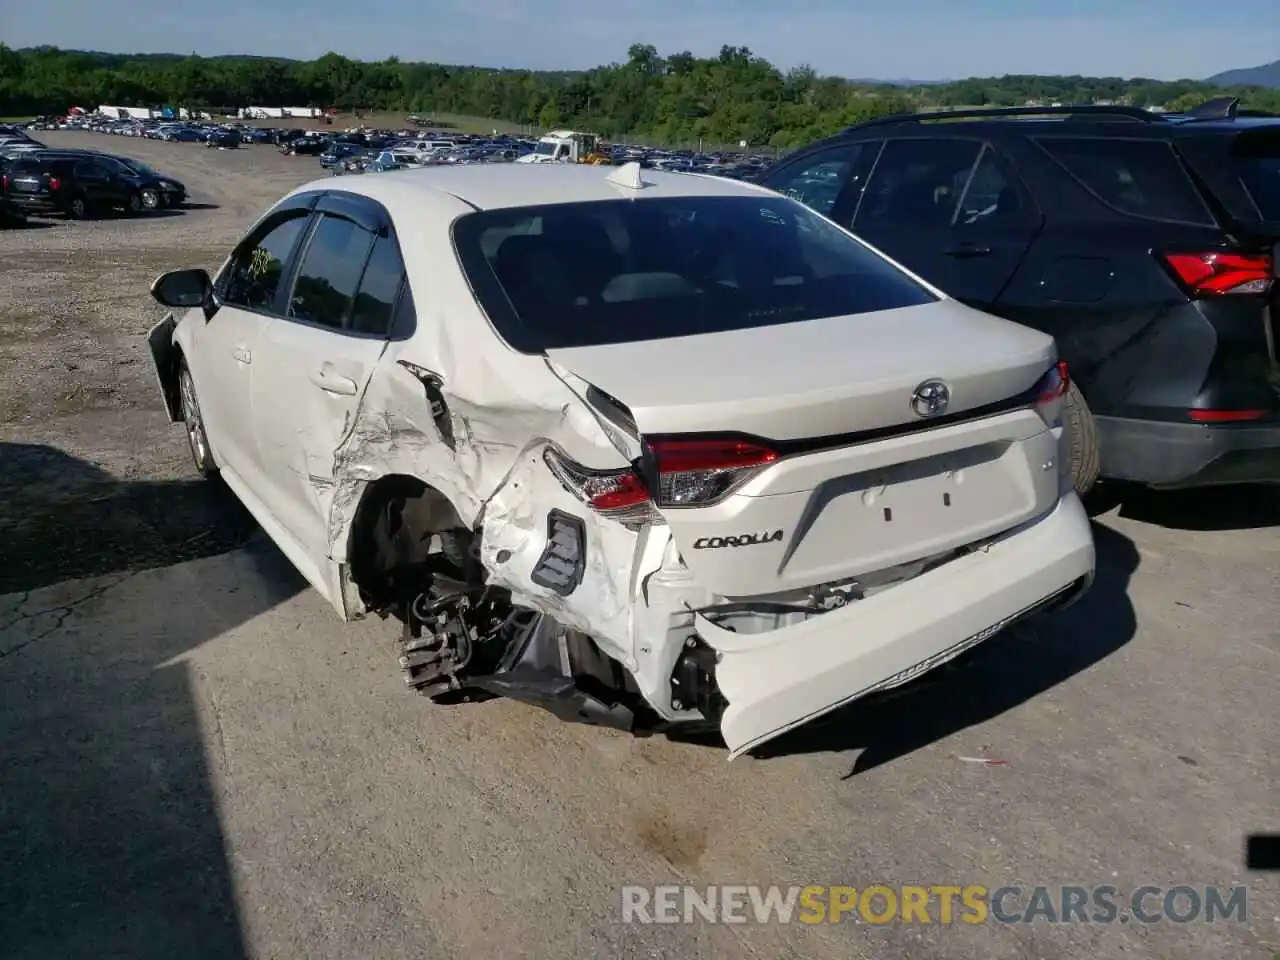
pixel 78 208
pixel 193 421
pixel 133 205
pixel 1080 436
pixel 150 199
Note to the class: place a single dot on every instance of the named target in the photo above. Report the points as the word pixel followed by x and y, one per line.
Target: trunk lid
pixel 821 378
pixel 861 482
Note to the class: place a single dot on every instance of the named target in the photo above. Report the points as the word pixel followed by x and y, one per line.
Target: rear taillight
pixel 1225 416
pixel 697 473
pixel 54 183
pixel 618 494
pixel 689 473
pixel 1046 396
pixel 4 181
pixel 1221 272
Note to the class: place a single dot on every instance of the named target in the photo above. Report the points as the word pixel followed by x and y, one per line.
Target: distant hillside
pixel 1267 75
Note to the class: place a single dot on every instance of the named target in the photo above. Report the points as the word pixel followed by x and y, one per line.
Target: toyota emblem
pixel 931 399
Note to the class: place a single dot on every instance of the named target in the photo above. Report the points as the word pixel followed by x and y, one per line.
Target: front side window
pixel 329 272
pixel 917 183
pixel 253 277
pixel 620 271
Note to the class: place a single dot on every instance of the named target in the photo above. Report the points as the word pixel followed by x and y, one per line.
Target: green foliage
pixel 678 98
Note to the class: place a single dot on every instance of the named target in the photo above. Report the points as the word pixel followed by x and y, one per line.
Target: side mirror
pixel 182 288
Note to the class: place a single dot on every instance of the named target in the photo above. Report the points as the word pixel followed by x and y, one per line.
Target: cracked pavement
pixel 200 760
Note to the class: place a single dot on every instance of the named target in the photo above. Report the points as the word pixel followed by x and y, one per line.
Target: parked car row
pixel 1147 245
pixel 36 180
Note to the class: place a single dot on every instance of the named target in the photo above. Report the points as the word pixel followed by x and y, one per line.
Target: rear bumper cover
pixel 783 679
pixel 1188 454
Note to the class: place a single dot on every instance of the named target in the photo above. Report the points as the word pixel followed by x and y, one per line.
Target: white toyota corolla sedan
pixel 645 449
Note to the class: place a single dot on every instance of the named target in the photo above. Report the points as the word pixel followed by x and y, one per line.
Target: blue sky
pixel 921 39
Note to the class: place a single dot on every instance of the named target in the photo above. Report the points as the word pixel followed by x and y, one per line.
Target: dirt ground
pixel 200 760
pixel 74 312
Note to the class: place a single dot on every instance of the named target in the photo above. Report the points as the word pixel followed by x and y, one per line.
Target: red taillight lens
pixel 690 473
pixel 1046 396
pixel 54 183
pixel 4 181
pixel 1053 385
pixel 618 494
pixel 696 473
pixel 1225 416
pixel 1220 272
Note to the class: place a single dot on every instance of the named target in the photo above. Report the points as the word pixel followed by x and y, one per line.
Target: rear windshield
pixel 620 271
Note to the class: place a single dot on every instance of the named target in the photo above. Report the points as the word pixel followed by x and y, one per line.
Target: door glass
pixel 990 198
pixel 371 312
pixel 331 269
pixel 917 183
pixel 253 279
pixel 818 181
pixel 1142 178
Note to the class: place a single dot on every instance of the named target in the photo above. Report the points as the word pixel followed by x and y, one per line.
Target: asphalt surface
pixel 199 759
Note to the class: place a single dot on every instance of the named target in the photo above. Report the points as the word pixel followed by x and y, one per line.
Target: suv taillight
pixel 1219 272
pixel 4 181
pixel 689 473
pixel 54 183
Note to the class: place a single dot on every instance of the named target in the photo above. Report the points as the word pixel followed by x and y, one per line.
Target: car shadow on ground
pixel 1242 507
pixel 110 838
pixel 995 677
pixel 28 224
pixel 199 206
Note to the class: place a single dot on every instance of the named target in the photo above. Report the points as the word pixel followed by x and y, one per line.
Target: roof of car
pixel 504 185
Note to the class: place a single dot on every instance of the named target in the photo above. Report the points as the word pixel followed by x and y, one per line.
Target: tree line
pixel 676 98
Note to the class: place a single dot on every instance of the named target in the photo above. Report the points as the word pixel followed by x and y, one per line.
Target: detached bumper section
pixel 782 679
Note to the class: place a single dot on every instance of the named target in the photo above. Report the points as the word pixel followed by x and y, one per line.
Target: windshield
pixel 621 271
pixel 544 149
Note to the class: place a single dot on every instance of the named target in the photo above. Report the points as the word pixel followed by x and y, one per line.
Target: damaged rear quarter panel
pixel 504 409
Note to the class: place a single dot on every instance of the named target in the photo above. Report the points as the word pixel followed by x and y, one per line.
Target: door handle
pixel 331 382
pixel 241 353
pixel 963 250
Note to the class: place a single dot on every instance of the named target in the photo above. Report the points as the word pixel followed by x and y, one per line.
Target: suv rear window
pixel 621 271
pixel 1142 178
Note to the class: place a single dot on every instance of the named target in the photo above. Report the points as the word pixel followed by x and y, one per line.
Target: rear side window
pixel 374 303
pixel 1258 160
pixel 330 270
pixel 1141 178
pixel 620 271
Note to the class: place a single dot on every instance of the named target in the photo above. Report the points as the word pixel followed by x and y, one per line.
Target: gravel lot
pixel 199 760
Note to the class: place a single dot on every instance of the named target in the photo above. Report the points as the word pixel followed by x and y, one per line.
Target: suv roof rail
pixel 1118 111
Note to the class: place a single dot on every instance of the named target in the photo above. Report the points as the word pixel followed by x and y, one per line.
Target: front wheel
pixel 151 199
pixel 193 420
pixel 1080 438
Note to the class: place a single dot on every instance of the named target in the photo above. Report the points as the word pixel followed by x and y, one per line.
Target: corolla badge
pixel 931 399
